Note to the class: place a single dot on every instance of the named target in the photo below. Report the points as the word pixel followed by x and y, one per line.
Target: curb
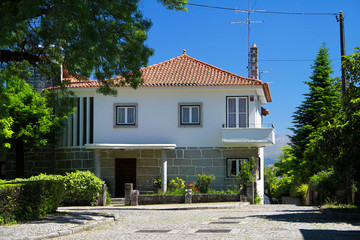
pixel 81 228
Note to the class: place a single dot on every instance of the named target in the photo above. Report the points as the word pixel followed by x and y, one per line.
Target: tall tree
pixel 100 37
pixel 32 118
pixel 320 104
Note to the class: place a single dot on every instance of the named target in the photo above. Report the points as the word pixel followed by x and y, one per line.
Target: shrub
pixel 177 185
pixel 193 187
pixel 81 188
pixel 247 172
pixel 299 191
pixel 203 182
pixel 18 201
pixel 324 184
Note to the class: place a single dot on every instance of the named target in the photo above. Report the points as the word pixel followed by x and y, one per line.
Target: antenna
pixel 248 22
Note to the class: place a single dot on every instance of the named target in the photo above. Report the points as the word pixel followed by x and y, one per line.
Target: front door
pixel 125 172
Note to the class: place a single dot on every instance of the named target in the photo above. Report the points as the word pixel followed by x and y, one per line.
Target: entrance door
pixel 125 172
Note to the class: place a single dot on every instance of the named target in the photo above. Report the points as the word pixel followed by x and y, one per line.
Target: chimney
pixel 254 62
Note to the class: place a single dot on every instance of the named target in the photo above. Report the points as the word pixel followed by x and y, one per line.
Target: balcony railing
pixel 250 136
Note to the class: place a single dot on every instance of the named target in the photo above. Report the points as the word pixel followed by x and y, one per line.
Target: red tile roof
pixel 183 71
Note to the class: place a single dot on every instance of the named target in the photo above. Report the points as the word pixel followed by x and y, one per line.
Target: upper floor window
pixel 190 114
pixel 237 112
pixel 125 115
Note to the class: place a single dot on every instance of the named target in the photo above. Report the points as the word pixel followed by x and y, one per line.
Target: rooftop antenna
pixel 248 22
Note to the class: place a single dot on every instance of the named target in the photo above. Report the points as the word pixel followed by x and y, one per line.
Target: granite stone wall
pixel 183 162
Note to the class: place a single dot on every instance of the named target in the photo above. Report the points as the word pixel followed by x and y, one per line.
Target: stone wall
pixel 46 160
pixel 184 163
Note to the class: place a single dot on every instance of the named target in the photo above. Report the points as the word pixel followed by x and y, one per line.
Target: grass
pixel 343 208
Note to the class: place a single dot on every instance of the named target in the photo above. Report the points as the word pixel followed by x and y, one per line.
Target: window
pixel 233 166
pixel 125 115
pixel 190 114
pixel 237 112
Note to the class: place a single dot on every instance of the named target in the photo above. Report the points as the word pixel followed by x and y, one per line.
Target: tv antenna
pixel 248 22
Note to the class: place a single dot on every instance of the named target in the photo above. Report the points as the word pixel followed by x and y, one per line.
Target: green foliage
pixel 18 201
pixel 299 191
pixel 203 182
pixel 157 183
pixel 103 37
pixel 81 188
pixel 324 184
pixel 257 199
pixel 175 185
pixel 247 172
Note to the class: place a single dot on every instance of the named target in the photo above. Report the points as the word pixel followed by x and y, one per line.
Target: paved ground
pixel 209 221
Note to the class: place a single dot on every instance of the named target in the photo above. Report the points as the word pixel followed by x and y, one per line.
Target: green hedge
pixel 29 200
pixel 81 188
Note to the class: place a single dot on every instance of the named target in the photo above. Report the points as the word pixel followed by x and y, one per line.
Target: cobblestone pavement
pixel 245 222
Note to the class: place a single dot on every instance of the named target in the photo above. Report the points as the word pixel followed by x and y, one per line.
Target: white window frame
pixel 190 106
pixel 237 112
pixel 229 166
pixel 127 107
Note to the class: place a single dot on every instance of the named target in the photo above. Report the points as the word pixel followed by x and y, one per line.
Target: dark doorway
pixel 125 172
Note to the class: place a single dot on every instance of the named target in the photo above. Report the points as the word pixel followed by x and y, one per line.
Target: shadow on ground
pixel 329 234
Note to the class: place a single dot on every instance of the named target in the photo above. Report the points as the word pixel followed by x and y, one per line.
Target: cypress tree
pixel 319 106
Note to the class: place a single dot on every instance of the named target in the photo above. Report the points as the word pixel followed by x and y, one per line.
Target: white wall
pixel 158 115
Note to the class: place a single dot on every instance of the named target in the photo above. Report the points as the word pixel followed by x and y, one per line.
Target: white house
pixel 188 117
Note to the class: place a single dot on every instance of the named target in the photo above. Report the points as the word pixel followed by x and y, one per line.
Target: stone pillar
pixel 251 191
pixel 102 197
pixel 134 198
pixel 128 192
pixel 188 195
pixel 164 171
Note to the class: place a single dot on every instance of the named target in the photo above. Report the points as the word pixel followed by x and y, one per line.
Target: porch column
pixel 164 171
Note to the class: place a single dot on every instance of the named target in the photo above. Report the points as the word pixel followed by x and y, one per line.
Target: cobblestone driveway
pixel 247 222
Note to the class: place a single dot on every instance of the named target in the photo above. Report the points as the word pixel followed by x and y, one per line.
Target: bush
pixel 18 201
pixel 203 182
pixel 81 188
pixel 299 191
pixel 247 172
pixel 324 184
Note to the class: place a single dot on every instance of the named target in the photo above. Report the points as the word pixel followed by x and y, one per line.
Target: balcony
pixel 248 136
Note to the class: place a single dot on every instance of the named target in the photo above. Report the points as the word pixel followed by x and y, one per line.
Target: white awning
pixel 129 146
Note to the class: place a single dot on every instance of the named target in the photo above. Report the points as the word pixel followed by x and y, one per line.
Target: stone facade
pixel 182 162
pixel 52 161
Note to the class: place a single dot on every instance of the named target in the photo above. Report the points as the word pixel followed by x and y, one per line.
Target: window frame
pixel 117 106
pixel 237 125
pixel 190 105
pixel 237 166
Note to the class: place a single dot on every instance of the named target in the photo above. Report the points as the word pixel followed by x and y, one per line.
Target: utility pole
pixel 348 169
pixel 342 46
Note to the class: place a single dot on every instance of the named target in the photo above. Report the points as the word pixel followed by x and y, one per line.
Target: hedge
pixel 29 200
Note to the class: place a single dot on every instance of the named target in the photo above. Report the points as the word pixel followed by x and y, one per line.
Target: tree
pixel 321 104
pixel 100 37
pixel 32 118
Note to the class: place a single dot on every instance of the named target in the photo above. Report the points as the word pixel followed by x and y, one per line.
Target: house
pixel 188 117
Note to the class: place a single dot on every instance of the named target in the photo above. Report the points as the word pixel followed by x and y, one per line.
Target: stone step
pixel 117 200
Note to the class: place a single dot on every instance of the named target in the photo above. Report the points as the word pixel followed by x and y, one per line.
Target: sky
pixel 287 43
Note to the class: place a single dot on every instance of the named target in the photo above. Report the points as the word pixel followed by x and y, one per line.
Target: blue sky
pixel 208 35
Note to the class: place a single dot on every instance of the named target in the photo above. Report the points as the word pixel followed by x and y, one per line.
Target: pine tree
pixel 320 104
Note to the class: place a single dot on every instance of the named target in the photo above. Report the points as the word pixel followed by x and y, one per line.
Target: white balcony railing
pixel 248 136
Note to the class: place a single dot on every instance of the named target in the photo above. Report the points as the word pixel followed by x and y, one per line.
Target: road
pixel 246 222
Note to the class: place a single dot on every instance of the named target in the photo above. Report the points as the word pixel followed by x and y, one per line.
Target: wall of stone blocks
pixel 184 163
pixel 45 160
